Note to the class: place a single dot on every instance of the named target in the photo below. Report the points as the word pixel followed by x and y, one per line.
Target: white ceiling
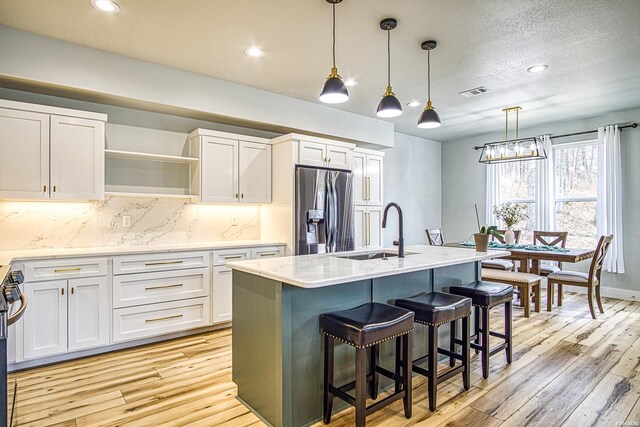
pixel 592 48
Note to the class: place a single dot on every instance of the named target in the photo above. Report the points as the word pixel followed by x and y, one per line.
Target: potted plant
pixel 482 237
pixel 510 214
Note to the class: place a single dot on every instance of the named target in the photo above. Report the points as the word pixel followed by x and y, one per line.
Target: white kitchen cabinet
pixel 319 154
pixel 88 313
pixel 77 158
pixel 24 154
pixel 222 291
pixel 368 227
pixel 254 172
pixel 45 319
pixel 65 315
pixel 50 153
pixel 368 173
pixel 233 168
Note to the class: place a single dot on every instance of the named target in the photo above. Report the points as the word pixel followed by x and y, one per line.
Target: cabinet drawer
pixel 224 256
pixel 267 252
pixel 64 269
pixel 159 262
pixel 149 288
pixel 157 319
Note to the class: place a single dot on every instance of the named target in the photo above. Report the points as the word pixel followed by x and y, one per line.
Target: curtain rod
pixel 632 125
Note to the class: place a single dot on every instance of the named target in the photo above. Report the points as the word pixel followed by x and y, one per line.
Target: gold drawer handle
pixel 66 270
pixel 233 257
pixel 149 264
pixel 150 288
pixel 269 254
pixel 158 319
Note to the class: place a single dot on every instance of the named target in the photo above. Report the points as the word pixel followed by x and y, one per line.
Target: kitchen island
pixel 277 352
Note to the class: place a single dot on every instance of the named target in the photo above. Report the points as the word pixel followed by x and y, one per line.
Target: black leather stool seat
pixel 485 294
pixel 367 324
pixel 436 308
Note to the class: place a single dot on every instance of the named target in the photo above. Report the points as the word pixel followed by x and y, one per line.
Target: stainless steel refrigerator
pixel 324 211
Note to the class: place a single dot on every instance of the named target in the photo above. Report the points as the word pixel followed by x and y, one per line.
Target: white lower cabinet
pixel 65 315
pixel 368 227
pixel 222 291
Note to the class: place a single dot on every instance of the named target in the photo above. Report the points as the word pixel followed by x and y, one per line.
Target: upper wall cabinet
pixel 321 154
pixel 233 168
pixel 50 153
pixel 367 179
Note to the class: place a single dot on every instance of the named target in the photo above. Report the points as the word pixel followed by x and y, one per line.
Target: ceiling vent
pixel 475 91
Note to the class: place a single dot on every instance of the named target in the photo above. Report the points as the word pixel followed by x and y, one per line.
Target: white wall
pixel 412 178
pixel 464 183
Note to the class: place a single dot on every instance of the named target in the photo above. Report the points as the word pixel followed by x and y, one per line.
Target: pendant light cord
pixel 429 74
pixel 334 35
pixel 388 57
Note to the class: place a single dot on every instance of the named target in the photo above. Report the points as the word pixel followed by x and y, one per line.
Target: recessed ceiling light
pixel 108 6
pixel 351 82
pixel 254 52
pixel 537 68
pixel 414 104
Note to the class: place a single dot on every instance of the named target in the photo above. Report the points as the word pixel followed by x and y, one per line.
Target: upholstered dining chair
pixel 501 264
pixel 550 238
pixel 434 236
pixel 590 280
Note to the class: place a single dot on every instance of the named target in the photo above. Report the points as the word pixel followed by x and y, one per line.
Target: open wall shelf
pixel 148 156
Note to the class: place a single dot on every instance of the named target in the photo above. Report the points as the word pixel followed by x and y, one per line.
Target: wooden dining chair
pixel 550 238
pixel 590 280
pixel 501 264
pixel 434 236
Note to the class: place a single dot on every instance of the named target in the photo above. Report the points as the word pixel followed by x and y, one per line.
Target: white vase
pixel 509 236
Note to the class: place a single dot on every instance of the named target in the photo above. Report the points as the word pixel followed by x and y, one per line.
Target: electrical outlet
pixel 126 221
pixel 234 221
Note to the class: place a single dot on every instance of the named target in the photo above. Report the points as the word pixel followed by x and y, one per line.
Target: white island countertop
pixel 6 257
pixel 313 271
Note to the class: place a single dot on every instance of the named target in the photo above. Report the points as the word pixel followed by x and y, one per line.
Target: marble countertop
pixel 6 257
pixel 313 271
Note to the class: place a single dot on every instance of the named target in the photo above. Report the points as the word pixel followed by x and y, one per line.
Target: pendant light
pixel 389 105
pixel 429 118
pixel 334 91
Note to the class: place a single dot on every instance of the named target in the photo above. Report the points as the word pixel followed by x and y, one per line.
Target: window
pixel 576 185
pixel 518 185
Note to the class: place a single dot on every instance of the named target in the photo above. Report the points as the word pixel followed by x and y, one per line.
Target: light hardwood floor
pixel 568 370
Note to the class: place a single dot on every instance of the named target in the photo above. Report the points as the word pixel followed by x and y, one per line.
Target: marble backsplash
pixel 37 225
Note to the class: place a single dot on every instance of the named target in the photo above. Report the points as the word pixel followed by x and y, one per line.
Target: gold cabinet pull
pixel 269 254
pixel 233 257
pixel 151 288
pixel 44 188
pixel 150 264
pixel 54 188
pixel 62 291
pixel 72 291
pixel 66 270
pixel 237 196
pixel 242 196
pixel 158 319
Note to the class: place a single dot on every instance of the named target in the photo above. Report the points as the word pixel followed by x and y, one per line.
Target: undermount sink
pixel 372 255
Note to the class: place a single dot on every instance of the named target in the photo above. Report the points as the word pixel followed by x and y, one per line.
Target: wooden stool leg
pixel 537 289
pixel 508 328
pixel 361 386
pixel 549 295
pixel 476 326
pixel 590 296
pixel 452 343
pixel 485 342
pixel 328 378
pixel 598 298
pixel 466 350
pixel 559 295
pixel 526 290
pixel 432 378
pixel 406 374
pixel 399 363
pixel 373 362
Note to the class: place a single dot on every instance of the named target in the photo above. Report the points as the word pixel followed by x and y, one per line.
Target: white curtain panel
pixel 609 205
pixel 545 185
pixel 493 192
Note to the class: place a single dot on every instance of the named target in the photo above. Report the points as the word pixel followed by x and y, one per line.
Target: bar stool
pixel 484 296
pixel 364 328
pixel 434 309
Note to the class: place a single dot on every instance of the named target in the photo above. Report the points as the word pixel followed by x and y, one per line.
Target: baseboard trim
pixel 604 291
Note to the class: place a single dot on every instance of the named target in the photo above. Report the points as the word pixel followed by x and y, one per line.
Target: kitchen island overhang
pixel 276 342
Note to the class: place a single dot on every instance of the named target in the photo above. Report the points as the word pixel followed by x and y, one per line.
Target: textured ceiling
pixel 592 48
